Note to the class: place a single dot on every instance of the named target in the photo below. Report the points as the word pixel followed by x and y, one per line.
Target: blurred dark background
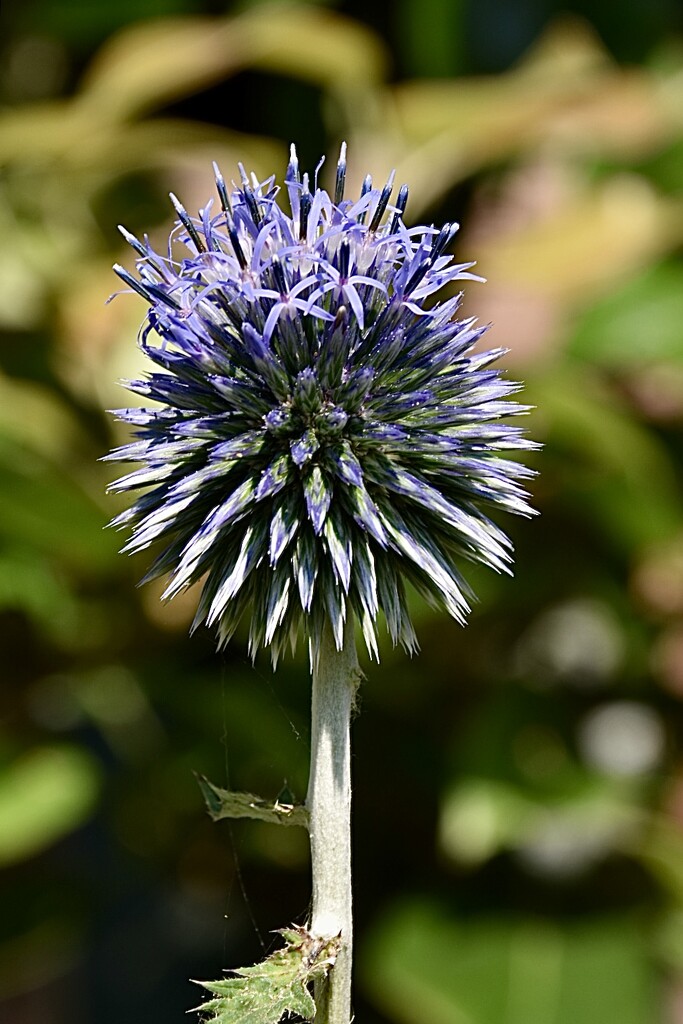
pixel 519 785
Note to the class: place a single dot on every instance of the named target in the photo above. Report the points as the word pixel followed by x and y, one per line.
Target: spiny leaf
pixel 277 986
pixel 223 803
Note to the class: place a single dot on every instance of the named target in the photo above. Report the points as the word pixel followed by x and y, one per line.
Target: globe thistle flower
pixel 323 428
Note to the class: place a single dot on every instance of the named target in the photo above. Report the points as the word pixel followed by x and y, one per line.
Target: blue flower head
pixel 322 428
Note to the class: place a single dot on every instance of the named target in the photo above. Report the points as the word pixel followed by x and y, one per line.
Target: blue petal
pixel 340 549
pixel 249 555
pixel 274 478
pixel 243 446
pixel 305 448
pixel 278 602
pixel 365 577
pixel 318 495
pixel 364 511
pixel 283 527
pixel 306 565
pixel 266 362
pixel 345 464
pixel 353 392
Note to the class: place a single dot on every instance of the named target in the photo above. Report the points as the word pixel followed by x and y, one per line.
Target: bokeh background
pixel 519 786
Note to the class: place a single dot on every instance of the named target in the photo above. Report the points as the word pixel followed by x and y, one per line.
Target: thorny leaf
pixel 264 993
pixel 223 803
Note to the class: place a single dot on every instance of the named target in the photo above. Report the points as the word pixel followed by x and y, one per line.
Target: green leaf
pixel 639 323
pixel 43 507
pixel 30 584
pixel 423 965
pixel 223 803
pixel 43 797
pixel 587 817
pixel 263 994
pixel 619 473
pixel 433 36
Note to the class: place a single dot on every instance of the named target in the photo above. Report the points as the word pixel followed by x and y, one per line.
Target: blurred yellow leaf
pixel 576 252
pixel 32 415
pixel 81 141
pixel 318 45
pixel 566 92
pixel 175 143
pixel 153 63
pixel 36 131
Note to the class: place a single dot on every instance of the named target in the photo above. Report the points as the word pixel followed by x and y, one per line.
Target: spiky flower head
pixel 323 429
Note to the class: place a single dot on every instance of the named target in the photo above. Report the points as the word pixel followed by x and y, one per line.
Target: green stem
pixel 335 679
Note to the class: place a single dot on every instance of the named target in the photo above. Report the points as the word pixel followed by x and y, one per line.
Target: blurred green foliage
pixel 519 787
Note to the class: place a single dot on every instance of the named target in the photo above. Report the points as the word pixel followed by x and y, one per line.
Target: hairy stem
pixel 335 678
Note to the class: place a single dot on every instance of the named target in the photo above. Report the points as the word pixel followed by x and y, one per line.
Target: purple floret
pixel 324 428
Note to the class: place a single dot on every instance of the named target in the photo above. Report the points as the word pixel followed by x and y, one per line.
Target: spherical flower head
pixel 323 429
